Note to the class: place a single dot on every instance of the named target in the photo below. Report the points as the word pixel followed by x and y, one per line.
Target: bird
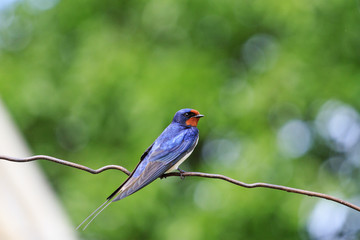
pixel 174 145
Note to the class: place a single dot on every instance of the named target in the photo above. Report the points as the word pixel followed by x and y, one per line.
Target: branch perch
pixel 185 174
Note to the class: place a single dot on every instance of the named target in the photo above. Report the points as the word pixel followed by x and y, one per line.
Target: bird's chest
pixel 176 166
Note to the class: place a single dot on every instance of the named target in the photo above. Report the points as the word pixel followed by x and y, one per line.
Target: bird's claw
pixel 182 177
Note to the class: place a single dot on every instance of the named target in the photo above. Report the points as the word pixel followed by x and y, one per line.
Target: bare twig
pixel 186 174
pixel 66 163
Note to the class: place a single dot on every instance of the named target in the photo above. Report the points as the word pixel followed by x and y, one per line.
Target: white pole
pixel 29 208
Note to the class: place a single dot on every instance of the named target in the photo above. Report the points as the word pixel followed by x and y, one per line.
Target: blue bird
pixel 170 149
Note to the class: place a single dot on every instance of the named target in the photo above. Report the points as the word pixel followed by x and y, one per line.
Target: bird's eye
pixel 189 114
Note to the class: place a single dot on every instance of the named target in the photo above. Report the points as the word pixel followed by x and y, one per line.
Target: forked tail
pixel 94 214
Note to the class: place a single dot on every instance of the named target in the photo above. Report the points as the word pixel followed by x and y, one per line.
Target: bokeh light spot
pixel 326 220
pixel 42 5
pixel 294 139
pixel 5 4
pixel 224 151
pixel 260 52
pixel 339 124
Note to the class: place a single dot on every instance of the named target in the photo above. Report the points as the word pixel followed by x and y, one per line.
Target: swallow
pixel 168 151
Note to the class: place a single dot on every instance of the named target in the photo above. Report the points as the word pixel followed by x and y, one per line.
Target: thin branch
pixel 66 163
pixel 186 174
pixel 267 185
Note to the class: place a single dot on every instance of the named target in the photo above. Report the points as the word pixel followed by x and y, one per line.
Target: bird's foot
pixel 181 173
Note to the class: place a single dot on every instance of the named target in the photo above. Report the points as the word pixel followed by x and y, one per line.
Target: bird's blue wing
pixel 158 162
pixel 152 171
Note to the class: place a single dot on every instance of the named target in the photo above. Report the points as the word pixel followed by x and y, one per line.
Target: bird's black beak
pixel 199 116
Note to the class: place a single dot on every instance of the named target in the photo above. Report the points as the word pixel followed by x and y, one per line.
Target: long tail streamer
pixel 94 214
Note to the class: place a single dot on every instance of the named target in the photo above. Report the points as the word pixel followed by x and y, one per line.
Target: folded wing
pixel 157 163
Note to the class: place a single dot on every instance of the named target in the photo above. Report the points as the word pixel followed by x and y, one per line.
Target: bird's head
pixel 187 117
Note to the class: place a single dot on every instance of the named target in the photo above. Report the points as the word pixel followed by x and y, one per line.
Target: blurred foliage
pixel 95 82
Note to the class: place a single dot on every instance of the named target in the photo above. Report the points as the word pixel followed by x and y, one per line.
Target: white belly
pixel 176 166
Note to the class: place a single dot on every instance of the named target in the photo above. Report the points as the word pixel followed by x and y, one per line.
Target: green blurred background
pixel 95 82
